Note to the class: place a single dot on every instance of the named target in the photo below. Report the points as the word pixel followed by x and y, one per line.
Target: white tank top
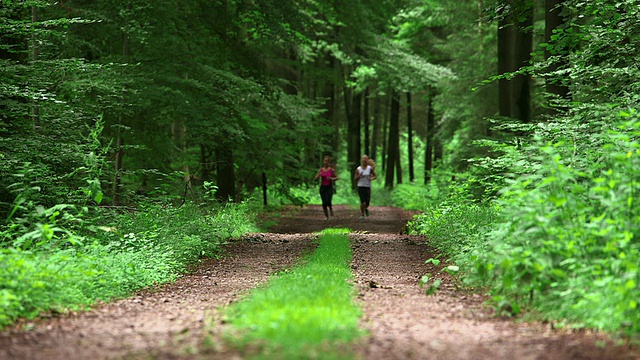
pixel 365 176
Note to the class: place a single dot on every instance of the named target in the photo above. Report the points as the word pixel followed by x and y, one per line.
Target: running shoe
pixel 367 212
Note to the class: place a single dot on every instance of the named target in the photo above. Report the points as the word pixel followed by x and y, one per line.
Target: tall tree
pixel 515 44
pixel 556 47
pixel 366 124
pixel 353 106
pixel 410 138
pixel 506 35
pixel 393 140
pixel 429 145
pixel 377 101
pixel 523 46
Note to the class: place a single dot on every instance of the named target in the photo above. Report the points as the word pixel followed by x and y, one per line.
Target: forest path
pixel 172 321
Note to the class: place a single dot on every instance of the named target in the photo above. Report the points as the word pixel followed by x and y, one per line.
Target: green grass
pixel 122 254
pixel 305 312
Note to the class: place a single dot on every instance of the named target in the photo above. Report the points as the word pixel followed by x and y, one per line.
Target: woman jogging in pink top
pixel 327 175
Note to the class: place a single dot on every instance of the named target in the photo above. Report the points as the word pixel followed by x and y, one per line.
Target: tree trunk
pixel 329 94
pixel 410 139
pixel 179 130
pixel 515 44
pixel 353 131
pixel 398 166
pixel 35 110
pixel 428 153
pixel 376 128
pixel 505 55
pixel 394 140
pixel 385 128
pixel 205 162
pixel 119 139
pixel 118 168
pixel 367 136
pixel 438 149
pixel 521 83
pixel 225 175
pixel 554 86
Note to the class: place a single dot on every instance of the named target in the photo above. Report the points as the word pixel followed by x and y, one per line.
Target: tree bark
pixel 505 65
pixel 225 175
pixel 438 150
pixel 394 140
pixel 367 136
pixel 515 44
pixel 35 110
pixel 179 130
pixel 521 83
pixel 398 166
pixel 554 86
pixel 353 131
pixel 329 94
pixel 410 138
pixel 428 153
pixel 385 130
pixel 376 127
pixel 205 162
pixel 117 168
pixel 119 140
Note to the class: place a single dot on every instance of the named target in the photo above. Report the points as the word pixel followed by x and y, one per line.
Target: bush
pixel 561 240
pixel 567 245
pixel 129 252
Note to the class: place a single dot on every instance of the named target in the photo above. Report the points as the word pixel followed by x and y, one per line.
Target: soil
pixel 183 320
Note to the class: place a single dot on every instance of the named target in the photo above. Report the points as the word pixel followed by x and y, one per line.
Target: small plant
pixel 432 286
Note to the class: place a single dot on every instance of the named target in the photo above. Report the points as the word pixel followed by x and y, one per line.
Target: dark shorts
pixel 326 193
pixel 365 194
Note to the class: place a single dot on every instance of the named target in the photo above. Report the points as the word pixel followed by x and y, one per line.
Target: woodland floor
pixel 403 323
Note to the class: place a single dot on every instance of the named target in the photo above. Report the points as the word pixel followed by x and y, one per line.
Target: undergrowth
pixel 306 311
pixel 559 241
pixel 150 246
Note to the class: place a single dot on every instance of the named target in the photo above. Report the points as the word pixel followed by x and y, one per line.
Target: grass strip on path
pixel 307 311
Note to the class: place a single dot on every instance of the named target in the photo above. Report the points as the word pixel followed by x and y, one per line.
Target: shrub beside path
pixel 183 320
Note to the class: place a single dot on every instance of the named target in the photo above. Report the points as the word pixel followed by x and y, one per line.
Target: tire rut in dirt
pixel 404 323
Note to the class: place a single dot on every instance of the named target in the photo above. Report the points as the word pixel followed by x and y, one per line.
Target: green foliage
pixel 31 223
pixel 305 310
pixel 151 246
pixel 432 286
pixel 455 226
pixel 560 239
pixel 567 245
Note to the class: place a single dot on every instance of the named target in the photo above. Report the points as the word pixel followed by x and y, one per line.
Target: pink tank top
pixel 326 176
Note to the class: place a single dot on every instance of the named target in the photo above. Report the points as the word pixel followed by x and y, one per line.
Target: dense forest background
pixel 512 125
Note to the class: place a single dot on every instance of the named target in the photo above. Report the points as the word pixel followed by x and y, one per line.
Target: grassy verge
pixel 124 253
pixel 305 312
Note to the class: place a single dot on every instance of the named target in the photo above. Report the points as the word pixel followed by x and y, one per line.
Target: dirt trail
pixel 171 322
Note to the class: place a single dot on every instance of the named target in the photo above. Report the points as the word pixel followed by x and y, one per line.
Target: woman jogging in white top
pixel 364 174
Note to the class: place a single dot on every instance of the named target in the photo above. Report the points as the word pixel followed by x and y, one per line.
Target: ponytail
pixel 371 163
